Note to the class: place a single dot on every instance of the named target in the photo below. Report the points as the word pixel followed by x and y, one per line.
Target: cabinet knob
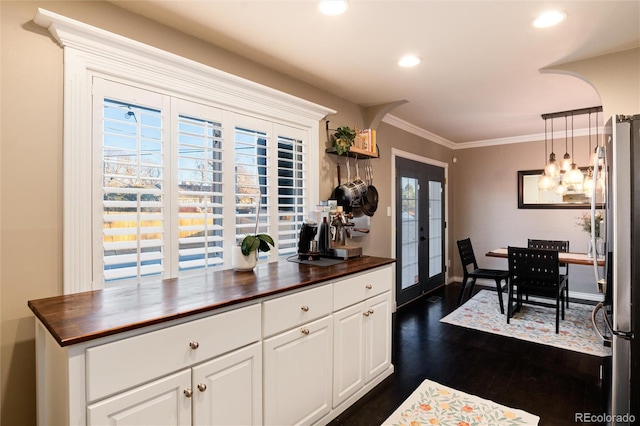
pixel 194 345
pixel 305 331
pixel 305 308
pixel 368 286
pixel 367 313
pixel 202 387
pixel 188 392
pixel 370 311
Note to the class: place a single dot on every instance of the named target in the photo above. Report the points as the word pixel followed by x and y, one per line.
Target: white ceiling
pixel 480 77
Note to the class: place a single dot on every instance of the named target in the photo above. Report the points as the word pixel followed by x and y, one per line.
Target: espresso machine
pixel 307 244
pixel 341 227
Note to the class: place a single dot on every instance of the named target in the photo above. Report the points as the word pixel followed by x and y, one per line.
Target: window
pixel 159 193
pixel 163 185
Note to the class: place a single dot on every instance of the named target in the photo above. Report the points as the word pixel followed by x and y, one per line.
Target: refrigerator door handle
pixel 626 335
pixel 601 338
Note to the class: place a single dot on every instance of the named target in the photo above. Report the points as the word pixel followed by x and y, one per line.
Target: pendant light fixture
pixel 565 164
pixel 574 176
pixel 552 168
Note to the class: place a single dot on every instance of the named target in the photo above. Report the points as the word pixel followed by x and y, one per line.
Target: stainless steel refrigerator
pixel 619 155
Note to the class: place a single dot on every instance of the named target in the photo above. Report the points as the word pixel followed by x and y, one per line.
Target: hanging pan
pixel 370 197
pixel 340 195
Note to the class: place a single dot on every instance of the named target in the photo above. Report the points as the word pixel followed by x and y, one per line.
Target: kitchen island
pixel 286 343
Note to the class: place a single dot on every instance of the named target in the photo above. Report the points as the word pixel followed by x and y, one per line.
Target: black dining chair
pixel 535 272
pixel 472 272
pixel 561 246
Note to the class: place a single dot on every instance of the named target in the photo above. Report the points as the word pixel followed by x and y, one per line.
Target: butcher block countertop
pixel 82 317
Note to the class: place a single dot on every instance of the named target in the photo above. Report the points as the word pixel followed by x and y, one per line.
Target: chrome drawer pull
pixel 305 308
pixel 188 392
pixel 368 286
pixel 305 331
pixel 194 345
pixel 202 387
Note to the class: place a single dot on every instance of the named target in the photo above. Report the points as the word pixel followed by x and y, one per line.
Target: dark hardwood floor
pixel 551 383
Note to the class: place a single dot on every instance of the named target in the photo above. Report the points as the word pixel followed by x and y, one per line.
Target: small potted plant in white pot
pixel 245 254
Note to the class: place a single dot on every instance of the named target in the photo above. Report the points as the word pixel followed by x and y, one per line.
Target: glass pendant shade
pixel 545 182
pixel 561 189
pixel 565 164
pixel 573 176
pixel 552 168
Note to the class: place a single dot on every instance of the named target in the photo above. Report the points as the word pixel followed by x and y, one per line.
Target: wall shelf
pixel 355 153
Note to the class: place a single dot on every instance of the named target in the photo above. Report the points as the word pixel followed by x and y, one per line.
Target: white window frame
pixel 90 51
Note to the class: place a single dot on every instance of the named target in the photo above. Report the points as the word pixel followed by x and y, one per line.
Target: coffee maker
pixel 307 244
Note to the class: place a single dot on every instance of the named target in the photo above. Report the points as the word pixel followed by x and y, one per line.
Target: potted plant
pixel 245 254
pixel 343 138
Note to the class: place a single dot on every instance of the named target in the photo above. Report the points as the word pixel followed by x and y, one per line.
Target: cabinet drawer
pixel 287 312
pixel 356 289
pixel 126 363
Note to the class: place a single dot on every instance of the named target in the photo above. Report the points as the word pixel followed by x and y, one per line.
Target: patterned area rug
pixel 434 404
pixel 532 323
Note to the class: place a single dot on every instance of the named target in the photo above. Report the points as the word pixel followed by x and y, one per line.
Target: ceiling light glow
pixel 333 7
pixel 409 61
pixel 549 19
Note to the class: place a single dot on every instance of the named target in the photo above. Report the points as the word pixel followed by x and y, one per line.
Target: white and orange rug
pixel 532 323
pixel 434 404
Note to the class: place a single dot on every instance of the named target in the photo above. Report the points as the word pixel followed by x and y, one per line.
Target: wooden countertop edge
pixel 47 318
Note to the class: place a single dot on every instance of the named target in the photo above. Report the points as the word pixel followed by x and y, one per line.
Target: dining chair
pixel 535 272
pixel 472 272
pixel 561 246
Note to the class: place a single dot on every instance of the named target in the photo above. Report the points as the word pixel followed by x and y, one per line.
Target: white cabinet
pixel 297 374
pixel 158 403
pixel 362 332
pixel 228 390
pixel 298 361
pixel 223 391
pixel 302 357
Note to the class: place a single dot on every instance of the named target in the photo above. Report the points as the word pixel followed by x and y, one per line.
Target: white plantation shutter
pixel 181 181
pixel 292 187
pixel 252 178
pixel 132 183
pixel 200 225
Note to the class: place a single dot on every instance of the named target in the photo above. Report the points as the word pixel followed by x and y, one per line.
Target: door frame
pixel 420 159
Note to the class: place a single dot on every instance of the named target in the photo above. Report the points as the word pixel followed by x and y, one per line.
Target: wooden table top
pixel 85 316
pixel 570 257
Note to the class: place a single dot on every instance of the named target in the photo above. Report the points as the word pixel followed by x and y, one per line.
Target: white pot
pixel 240 262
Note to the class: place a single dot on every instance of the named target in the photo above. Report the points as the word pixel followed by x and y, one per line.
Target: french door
pixel 420 228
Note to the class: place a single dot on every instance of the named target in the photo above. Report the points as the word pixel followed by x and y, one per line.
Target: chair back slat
pixel 559 245
pixel 466 254
pixel 539 267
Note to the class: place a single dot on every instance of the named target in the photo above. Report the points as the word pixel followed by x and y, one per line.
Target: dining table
pixel 563 257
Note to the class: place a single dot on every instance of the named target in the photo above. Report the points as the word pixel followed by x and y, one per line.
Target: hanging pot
pixel 370 197
pixel 339 194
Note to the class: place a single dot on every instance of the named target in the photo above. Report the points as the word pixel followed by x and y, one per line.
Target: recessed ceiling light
pixel 333 7
pixel 409 61
pixel 549 19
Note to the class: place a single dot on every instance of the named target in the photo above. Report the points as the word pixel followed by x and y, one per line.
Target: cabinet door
pixel 377 335
pixel 228 389
pixel 298 374
pixel 348 350
pixel 161 402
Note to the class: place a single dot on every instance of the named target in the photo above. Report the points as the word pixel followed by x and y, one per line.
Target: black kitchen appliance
pixel 307 244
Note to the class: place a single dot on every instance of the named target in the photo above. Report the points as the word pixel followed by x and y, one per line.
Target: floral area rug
pixel 434 404
pixel 531 323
